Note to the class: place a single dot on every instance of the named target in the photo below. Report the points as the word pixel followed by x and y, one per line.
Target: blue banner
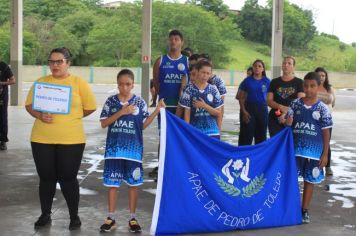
pixel 205 185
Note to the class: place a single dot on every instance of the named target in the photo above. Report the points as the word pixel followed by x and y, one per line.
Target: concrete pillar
pixel 277 38
pixel 16 51
pixel 146 49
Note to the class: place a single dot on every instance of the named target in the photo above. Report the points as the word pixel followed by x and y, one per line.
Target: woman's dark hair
pixel 203 63
pixel 263 64
pixel 64 51
pixel 127 72
pixel 313 76
pixel 326 84
pixel 194 57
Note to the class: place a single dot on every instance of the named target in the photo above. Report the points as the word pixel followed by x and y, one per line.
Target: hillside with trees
pixel 112 37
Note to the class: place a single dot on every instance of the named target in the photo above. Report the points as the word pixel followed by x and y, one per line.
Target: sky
pixel 330 16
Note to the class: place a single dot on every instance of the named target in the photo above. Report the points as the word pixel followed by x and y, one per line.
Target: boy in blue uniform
pixel 311 121
pixel 125 115
pixel 202 103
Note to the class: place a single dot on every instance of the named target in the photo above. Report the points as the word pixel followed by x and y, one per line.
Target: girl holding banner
pixel 59 102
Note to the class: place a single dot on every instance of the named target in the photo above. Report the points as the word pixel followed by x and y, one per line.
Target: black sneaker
pixel 134 227
pixel 3 146
pixel 305 216
pixel 75 223
pixel 108 225
pixel 43 220
pixel 153 173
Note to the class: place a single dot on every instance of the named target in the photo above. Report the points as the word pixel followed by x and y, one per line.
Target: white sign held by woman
pixel 51 98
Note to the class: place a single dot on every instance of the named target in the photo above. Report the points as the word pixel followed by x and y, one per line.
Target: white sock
pixel 132 215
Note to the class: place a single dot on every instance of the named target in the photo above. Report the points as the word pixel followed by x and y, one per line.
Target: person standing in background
pixel 282 91
pixel 6 78
pixel 326 94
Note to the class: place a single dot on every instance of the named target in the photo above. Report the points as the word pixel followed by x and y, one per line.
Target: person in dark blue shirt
pixel 253 104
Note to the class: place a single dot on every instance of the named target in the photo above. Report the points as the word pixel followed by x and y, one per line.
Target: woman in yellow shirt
pixel 58 140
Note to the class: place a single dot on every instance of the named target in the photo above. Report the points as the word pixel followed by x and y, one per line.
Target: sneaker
pixel 43 220
pixel 75 223
pixel 305 216
pixel 3 146
pixel 329 171
pixel 153 105
pixel 134 227
pixel 153 173
pixel 108 225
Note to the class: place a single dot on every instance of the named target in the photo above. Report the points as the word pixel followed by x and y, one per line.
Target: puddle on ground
pixel 344 178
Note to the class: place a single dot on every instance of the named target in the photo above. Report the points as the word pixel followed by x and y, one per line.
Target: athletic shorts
pixel 118 170
pixel 310 171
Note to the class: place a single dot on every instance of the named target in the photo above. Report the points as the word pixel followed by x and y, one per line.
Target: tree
pixel 202 30
pixel 116 41
pixel 255 22
pixel 217 6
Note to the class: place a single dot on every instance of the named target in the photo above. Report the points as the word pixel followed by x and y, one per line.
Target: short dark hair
pixel 64 51
pixel 176 33
pixel 203 63
pixel 326 84
pixel 194 57
pixel 126 72
pixel 187 52
pixel 313 76
pixel 204 56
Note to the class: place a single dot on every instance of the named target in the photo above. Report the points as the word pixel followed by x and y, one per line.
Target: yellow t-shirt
pixel 68 128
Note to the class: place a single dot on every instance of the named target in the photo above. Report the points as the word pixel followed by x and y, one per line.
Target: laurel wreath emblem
pixel 249 190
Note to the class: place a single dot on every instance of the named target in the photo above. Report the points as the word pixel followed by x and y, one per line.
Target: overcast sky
pixel 331 16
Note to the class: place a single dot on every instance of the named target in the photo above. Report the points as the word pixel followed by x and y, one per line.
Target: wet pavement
pixel 332 209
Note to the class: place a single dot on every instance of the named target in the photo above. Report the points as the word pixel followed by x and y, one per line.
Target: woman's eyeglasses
pixel 56 62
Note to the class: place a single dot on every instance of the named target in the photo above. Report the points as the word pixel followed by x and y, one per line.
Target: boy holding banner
pixel 311 121
pixel 125 115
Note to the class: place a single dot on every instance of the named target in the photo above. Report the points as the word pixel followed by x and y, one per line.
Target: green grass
pixel 328 55
pixel 243 53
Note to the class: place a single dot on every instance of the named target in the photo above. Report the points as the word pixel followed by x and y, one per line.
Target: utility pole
pixel 277 38
pixel 146 49
pixel 16 51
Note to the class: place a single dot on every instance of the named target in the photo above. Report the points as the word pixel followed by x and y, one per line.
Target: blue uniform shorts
pixel 310 171
pixel 118 170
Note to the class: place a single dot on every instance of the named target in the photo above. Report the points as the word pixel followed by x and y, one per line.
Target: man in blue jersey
pixel 170 75
pixel 311 122
pixel 169 71
pixel 202 102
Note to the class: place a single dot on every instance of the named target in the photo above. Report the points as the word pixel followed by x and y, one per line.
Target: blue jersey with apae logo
pixel 124 138
pixel 308 123
pixel 219 83
pixel 171 72
pixel 199 117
